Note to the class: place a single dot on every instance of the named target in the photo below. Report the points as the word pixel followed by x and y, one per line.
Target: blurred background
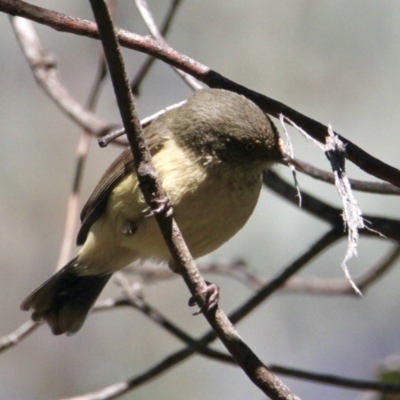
pixel 337 62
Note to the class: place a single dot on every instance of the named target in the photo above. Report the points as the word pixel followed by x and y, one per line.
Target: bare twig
pixel 152 191
pixel 82 152
pixel 150 273
pixel 117 389
pixel 388 227
pixel 145 68
pixel 138 302
pixel 74 25
pixel 18 335
pixel 336 380
pixel 122 387
pixel 44 68
pixel 148 19
pixel 105 140
pixel 361 186
pixel 68 240
pixel 274 284
pixel 340 286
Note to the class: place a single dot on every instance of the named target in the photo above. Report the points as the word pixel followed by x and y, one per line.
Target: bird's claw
pixel 212 297
pixel 160 206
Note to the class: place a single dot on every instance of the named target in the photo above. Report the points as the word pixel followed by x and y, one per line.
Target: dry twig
pixel 144 69
pixel 148 19
pixel 44 69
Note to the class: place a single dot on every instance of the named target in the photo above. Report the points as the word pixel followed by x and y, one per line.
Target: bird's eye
pixel 249 146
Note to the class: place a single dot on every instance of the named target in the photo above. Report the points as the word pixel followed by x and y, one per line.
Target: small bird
pixel 210 154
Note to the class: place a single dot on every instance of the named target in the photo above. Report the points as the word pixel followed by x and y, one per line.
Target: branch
pixel 144 69
pixel 152 26
pixel 318 131
pixel 106 139
pixel 361 186
pixel 44 69
pixel 338 380
pixel 154 195
pixel 118 389
pixel 276 283
pixel 82 151
pixel 138 303
pixel 18 335
pixel 340 286
pixel 388 227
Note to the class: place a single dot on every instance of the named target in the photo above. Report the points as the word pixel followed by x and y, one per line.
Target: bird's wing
pixel 156 134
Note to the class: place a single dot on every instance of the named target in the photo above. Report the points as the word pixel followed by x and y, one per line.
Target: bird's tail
pixel 65 299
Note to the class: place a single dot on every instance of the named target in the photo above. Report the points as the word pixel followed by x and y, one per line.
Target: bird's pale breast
pixel 210 205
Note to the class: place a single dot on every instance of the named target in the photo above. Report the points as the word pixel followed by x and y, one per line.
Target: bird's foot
pixel 212 297
pixel 160 206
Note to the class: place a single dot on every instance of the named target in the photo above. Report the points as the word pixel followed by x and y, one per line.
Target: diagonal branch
pixel 17 335
pixel 152 191
pixel 144 69
pixel 148 19
pixel 339 286
pixel 388 227
pixel 118 389
pixel 361 186
pixel 44 69
pixel 65 23
pixel 82 151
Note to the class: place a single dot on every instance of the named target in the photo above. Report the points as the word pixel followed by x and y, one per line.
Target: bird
pixel 209 154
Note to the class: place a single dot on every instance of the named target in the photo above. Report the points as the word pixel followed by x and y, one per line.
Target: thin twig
pixel 274 284
pixel 150 273
pixel 117 389
pixel 17 335
pixel 145 68
pixel 148 19
pixel 159 319
pixel 139 303
pixel 340 286
pixel 68 240
pixel 388 227
pixel 44 69
pixel 105 140
pixel 336 380
pixel 361 186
